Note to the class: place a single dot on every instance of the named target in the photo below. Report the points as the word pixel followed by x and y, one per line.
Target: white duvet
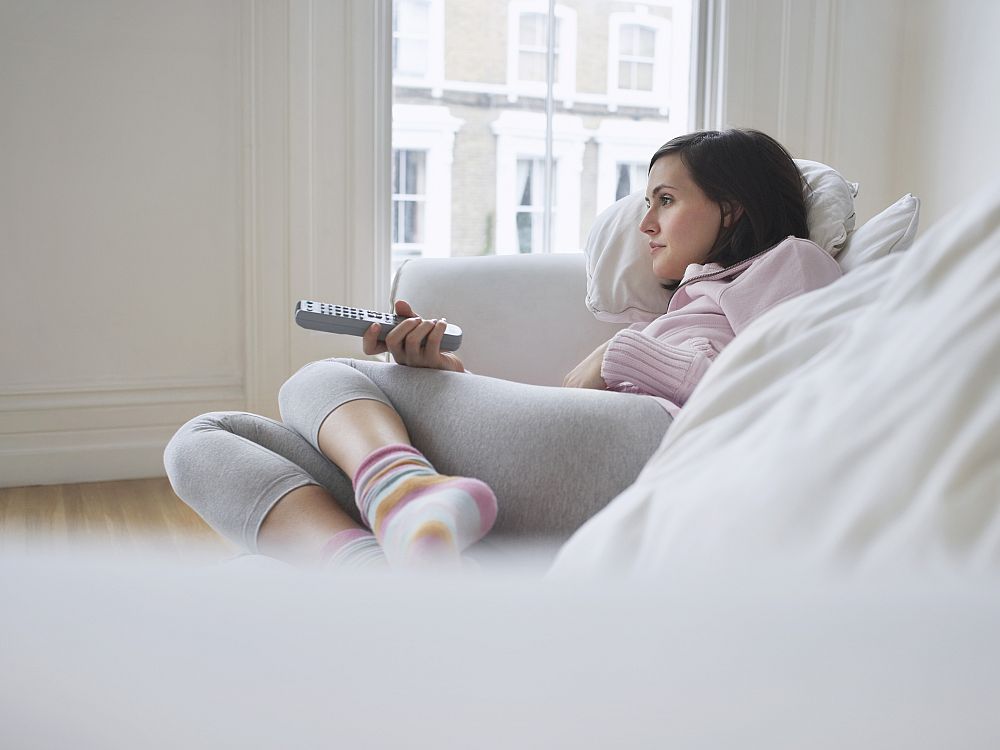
pixel 858 425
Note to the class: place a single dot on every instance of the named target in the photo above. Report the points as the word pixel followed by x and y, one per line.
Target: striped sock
pixel 417 514
pixel 352 548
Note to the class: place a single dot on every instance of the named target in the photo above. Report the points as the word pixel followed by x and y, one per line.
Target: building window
pixel 631 177
pixel 532 48
pixel 639 64
pixel 624 148
pixel 410 43
pixel 636 57
pixel 418 44
pixel 527 50
pixel 409 196
pixel 423 139
pixel 530 204
pixel 520 182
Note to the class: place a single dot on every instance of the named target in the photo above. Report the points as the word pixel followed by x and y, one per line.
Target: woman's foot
pixel 417 515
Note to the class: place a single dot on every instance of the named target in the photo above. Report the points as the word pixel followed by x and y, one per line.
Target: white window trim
pixel 565 89
pixel 432 129
pixel 434 78
pixel 521 134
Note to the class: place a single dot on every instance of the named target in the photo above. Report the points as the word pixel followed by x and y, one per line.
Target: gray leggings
pixel 553 456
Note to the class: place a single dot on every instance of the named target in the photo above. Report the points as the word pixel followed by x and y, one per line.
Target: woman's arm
pixel 587 374
pixel 658 368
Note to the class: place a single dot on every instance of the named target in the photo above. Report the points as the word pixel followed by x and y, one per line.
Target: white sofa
pixel 858 425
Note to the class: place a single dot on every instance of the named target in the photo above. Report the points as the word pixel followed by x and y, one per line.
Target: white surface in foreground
pixel 98 652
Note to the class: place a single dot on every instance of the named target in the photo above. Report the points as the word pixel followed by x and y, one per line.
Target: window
pixel 520 182
pixel 527 50
pixel 636 57
pixel 418 44
pixel 410 29
pixel 409 185
pixel 631 177
pixel 624 148
pixel 639 63
pixel 532 48
pixel 530 203
pixel 503 163
pixel 423 138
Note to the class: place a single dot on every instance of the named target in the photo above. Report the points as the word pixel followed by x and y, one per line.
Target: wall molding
pixel 83 455
pixel 122 393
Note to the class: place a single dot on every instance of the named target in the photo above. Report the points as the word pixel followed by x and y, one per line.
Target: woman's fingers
pixel 370 343
pixel 395 340
pixel 435 337
pixel 416 341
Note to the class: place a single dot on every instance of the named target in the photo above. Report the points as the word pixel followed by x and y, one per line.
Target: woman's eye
pixel 666 200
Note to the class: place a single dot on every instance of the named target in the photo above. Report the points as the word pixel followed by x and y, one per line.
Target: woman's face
pixel 681 222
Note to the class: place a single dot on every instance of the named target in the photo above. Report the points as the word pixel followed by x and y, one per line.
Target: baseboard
pixel 96 457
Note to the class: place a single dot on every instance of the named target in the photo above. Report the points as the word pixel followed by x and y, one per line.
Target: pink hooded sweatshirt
pixel 667 358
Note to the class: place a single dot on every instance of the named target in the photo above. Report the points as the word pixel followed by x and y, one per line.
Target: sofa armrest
pixel 523 317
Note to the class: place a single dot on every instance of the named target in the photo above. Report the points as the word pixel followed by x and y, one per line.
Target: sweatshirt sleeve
pixel 655 367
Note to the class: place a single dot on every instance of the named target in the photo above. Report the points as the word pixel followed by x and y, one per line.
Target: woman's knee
pixel 320 376
pixel 188 443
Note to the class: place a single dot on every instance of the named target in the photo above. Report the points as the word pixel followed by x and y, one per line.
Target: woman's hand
pixel 587 374
pixel 414 342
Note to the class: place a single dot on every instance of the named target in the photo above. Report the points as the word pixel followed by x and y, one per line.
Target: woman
pixel 351 474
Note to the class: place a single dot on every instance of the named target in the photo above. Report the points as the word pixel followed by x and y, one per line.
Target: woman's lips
pixel 653 247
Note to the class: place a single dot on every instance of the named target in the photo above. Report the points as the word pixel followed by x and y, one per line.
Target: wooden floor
pixel 130 516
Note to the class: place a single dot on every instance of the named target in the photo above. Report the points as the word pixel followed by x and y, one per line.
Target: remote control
pixel 320 316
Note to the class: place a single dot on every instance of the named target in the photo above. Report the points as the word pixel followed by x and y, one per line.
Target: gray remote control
pixel 320 316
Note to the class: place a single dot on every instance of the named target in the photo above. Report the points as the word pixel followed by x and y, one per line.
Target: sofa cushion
pixel 891 231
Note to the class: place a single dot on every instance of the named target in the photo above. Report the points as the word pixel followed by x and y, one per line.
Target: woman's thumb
pixel 403 309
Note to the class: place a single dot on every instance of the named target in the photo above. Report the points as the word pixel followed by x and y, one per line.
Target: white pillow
pixel 621 287
pixel 891 231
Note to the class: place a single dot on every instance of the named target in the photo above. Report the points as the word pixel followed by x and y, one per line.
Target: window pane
pixel 643 80
pixel 411 17
pixel 626 41
pixel 410 56
pixel 646 42
pixel 532 66
pixel 533 30
pixel 410 30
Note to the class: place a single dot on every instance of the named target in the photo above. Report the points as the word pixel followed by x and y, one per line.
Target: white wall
pixel 899 95
pixel 948 117
pixel 173 176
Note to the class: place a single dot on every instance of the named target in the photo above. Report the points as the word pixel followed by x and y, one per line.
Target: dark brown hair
pixel 750 169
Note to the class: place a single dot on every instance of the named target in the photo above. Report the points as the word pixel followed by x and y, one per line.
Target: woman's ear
pixel 731 213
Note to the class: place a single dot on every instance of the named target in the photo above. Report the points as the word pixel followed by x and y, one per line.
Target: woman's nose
pixel 648 223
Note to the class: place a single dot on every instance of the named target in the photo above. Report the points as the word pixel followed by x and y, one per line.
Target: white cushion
pixel 621 287
pixel 891 231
